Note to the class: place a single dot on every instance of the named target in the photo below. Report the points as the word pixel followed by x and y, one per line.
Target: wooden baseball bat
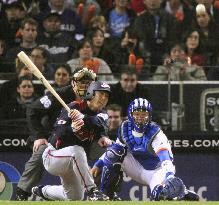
pixel 33 69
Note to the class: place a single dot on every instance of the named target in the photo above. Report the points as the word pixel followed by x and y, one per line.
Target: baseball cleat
pixel 95 195
pixel 37 190
pixel 115 197
pixel 190 196
pixel 21 195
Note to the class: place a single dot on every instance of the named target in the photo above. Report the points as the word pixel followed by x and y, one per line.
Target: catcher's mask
pixel 81 79
pixel 139 114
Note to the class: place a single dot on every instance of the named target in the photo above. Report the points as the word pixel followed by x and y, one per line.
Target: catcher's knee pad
pixel 114 155
pixel 173 188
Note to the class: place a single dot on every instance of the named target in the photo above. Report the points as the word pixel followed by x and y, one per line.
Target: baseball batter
pixel 143 151
pixel 65 155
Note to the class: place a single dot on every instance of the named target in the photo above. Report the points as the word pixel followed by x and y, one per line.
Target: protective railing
pixel 183 106
pixel 8 70
pixel 178 105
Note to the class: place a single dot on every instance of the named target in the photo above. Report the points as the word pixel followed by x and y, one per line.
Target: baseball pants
pixel 138 173
pixel 70 164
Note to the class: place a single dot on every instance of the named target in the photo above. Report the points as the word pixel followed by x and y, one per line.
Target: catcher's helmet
pixel 96 86
pixel 139 104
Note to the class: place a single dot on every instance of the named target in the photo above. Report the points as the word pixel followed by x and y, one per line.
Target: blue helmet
pixel 139 104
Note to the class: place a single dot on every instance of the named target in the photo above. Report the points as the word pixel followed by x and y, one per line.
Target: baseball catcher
pixel 143 152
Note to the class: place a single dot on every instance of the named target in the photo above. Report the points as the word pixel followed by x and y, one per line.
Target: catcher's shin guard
pixel 111 177
pixel 111 180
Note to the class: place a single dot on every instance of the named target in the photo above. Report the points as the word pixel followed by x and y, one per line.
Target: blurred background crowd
pixel 120 40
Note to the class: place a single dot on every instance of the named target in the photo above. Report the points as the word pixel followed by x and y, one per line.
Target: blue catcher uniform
pixel 140 147
pixel 143 152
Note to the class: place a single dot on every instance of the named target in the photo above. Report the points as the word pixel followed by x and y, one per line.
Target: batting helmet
pixel 96 86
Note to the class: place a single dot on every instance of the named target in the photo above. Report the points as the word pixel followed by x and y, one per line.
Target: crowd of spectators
pixel 151 39
pixel 140 33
